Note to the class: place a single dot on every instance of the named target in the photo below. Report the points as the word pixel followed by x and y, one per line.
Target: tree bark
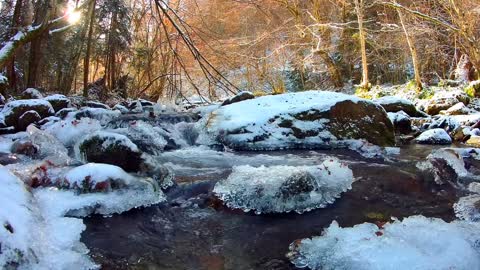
pixel 413 52
pixel 86 64
pixel 359 7
pixel 16 21
pixel 335 75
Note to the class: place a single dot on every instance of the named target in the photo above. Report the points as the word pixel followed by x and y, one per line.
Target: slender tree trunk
pixel 359 7
pixel 413 52
pixel 86 64
pixel 16 21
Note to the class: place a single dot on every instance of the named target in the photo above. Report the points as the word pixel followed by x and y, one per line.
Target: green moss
pixel 426 93
pixel 375 216
pixel 365 93
pixel 470 90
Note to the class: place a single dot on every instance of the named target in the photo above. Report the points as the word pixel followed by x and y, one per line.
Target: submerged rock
pixel 312 119
pixel 415 243
pixel 281 189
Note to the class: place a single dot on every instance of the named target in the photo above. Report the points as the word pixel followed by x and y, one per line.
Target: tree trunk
pixel 335 75
pixel 359 7
pixel 86 64
pixel 413 52
pixel 16 21
pixel 41 17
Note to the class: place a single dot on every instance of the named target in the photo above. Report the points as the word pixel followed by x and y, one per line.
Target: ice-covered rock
pixel 136 107
pixel 15 109
pixel 312 119
pixel 102 115
pixel 110 148
pixel 280 189
pixel 70 131
pixel 58 102
pixel 121 108
pixel 145 136
pixel 393 104
pixel 448 166
pixel 434 136
pixel 31 93
pixel 468 208
pixel 48 146
pixel 415 243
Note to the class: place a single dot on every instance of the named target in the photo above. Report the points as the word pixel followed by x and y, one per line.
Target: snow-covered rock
pixel 401 121
pixel 458 109
pixel 313 119
pixel 468 208
pixel 26 119
pixel 145 136
pixel 394 104
pixel 14 109
pixel 415 243
pixel 110 148
pixel 444 100
pixel 121 108
pixel 280 189
pixel 31 93
pixel 58 102
pixel 434 136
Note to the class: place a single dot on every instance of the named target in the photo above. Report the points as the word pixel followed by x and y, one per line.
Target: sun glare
pixel 73 16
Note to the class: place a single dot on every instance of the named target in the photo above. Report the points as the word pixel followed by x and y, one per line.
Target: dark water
pixel 194 231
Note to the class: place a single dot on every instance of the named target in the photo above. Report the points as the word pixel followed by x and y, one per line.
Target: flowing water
pixel 194 231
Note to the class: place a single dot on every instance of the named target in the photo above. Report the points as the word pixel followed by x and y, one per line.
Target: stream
pixel 193 230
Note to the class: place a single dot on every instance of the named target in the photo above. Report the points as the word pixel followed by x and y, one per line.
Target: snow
pixel 33 93
pixel 417 242
pixel 111 138
pixel 98 173
pixel 398 116
pixel 70 131
pixel 3 79
pixel 388 100
pixel 434 136
pixel 102 115
pixel 280 189
pixel 38 239
pixel 121 108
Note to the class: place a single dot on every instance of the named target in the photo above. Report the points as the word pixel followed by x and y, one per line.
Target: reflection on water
pixel 194 231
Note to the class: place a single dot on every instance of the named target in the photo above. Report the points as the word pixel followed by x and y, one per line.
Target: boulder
pixel 244 95
pixel 62 114
pixel 15 109
pixel 445 100
pixel 31 93
pixel 401 121
pixel 313 119
pixel 474 141
pixel 26 119
pixel 110 148
pixel 458 109
pixel 58 102
pixel 434 136
pixel 395 104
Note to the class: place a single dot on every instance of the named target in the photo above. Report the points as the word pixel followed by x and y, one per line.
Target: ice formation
pixel 70 131
pixel 417 242
pixel 280 189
